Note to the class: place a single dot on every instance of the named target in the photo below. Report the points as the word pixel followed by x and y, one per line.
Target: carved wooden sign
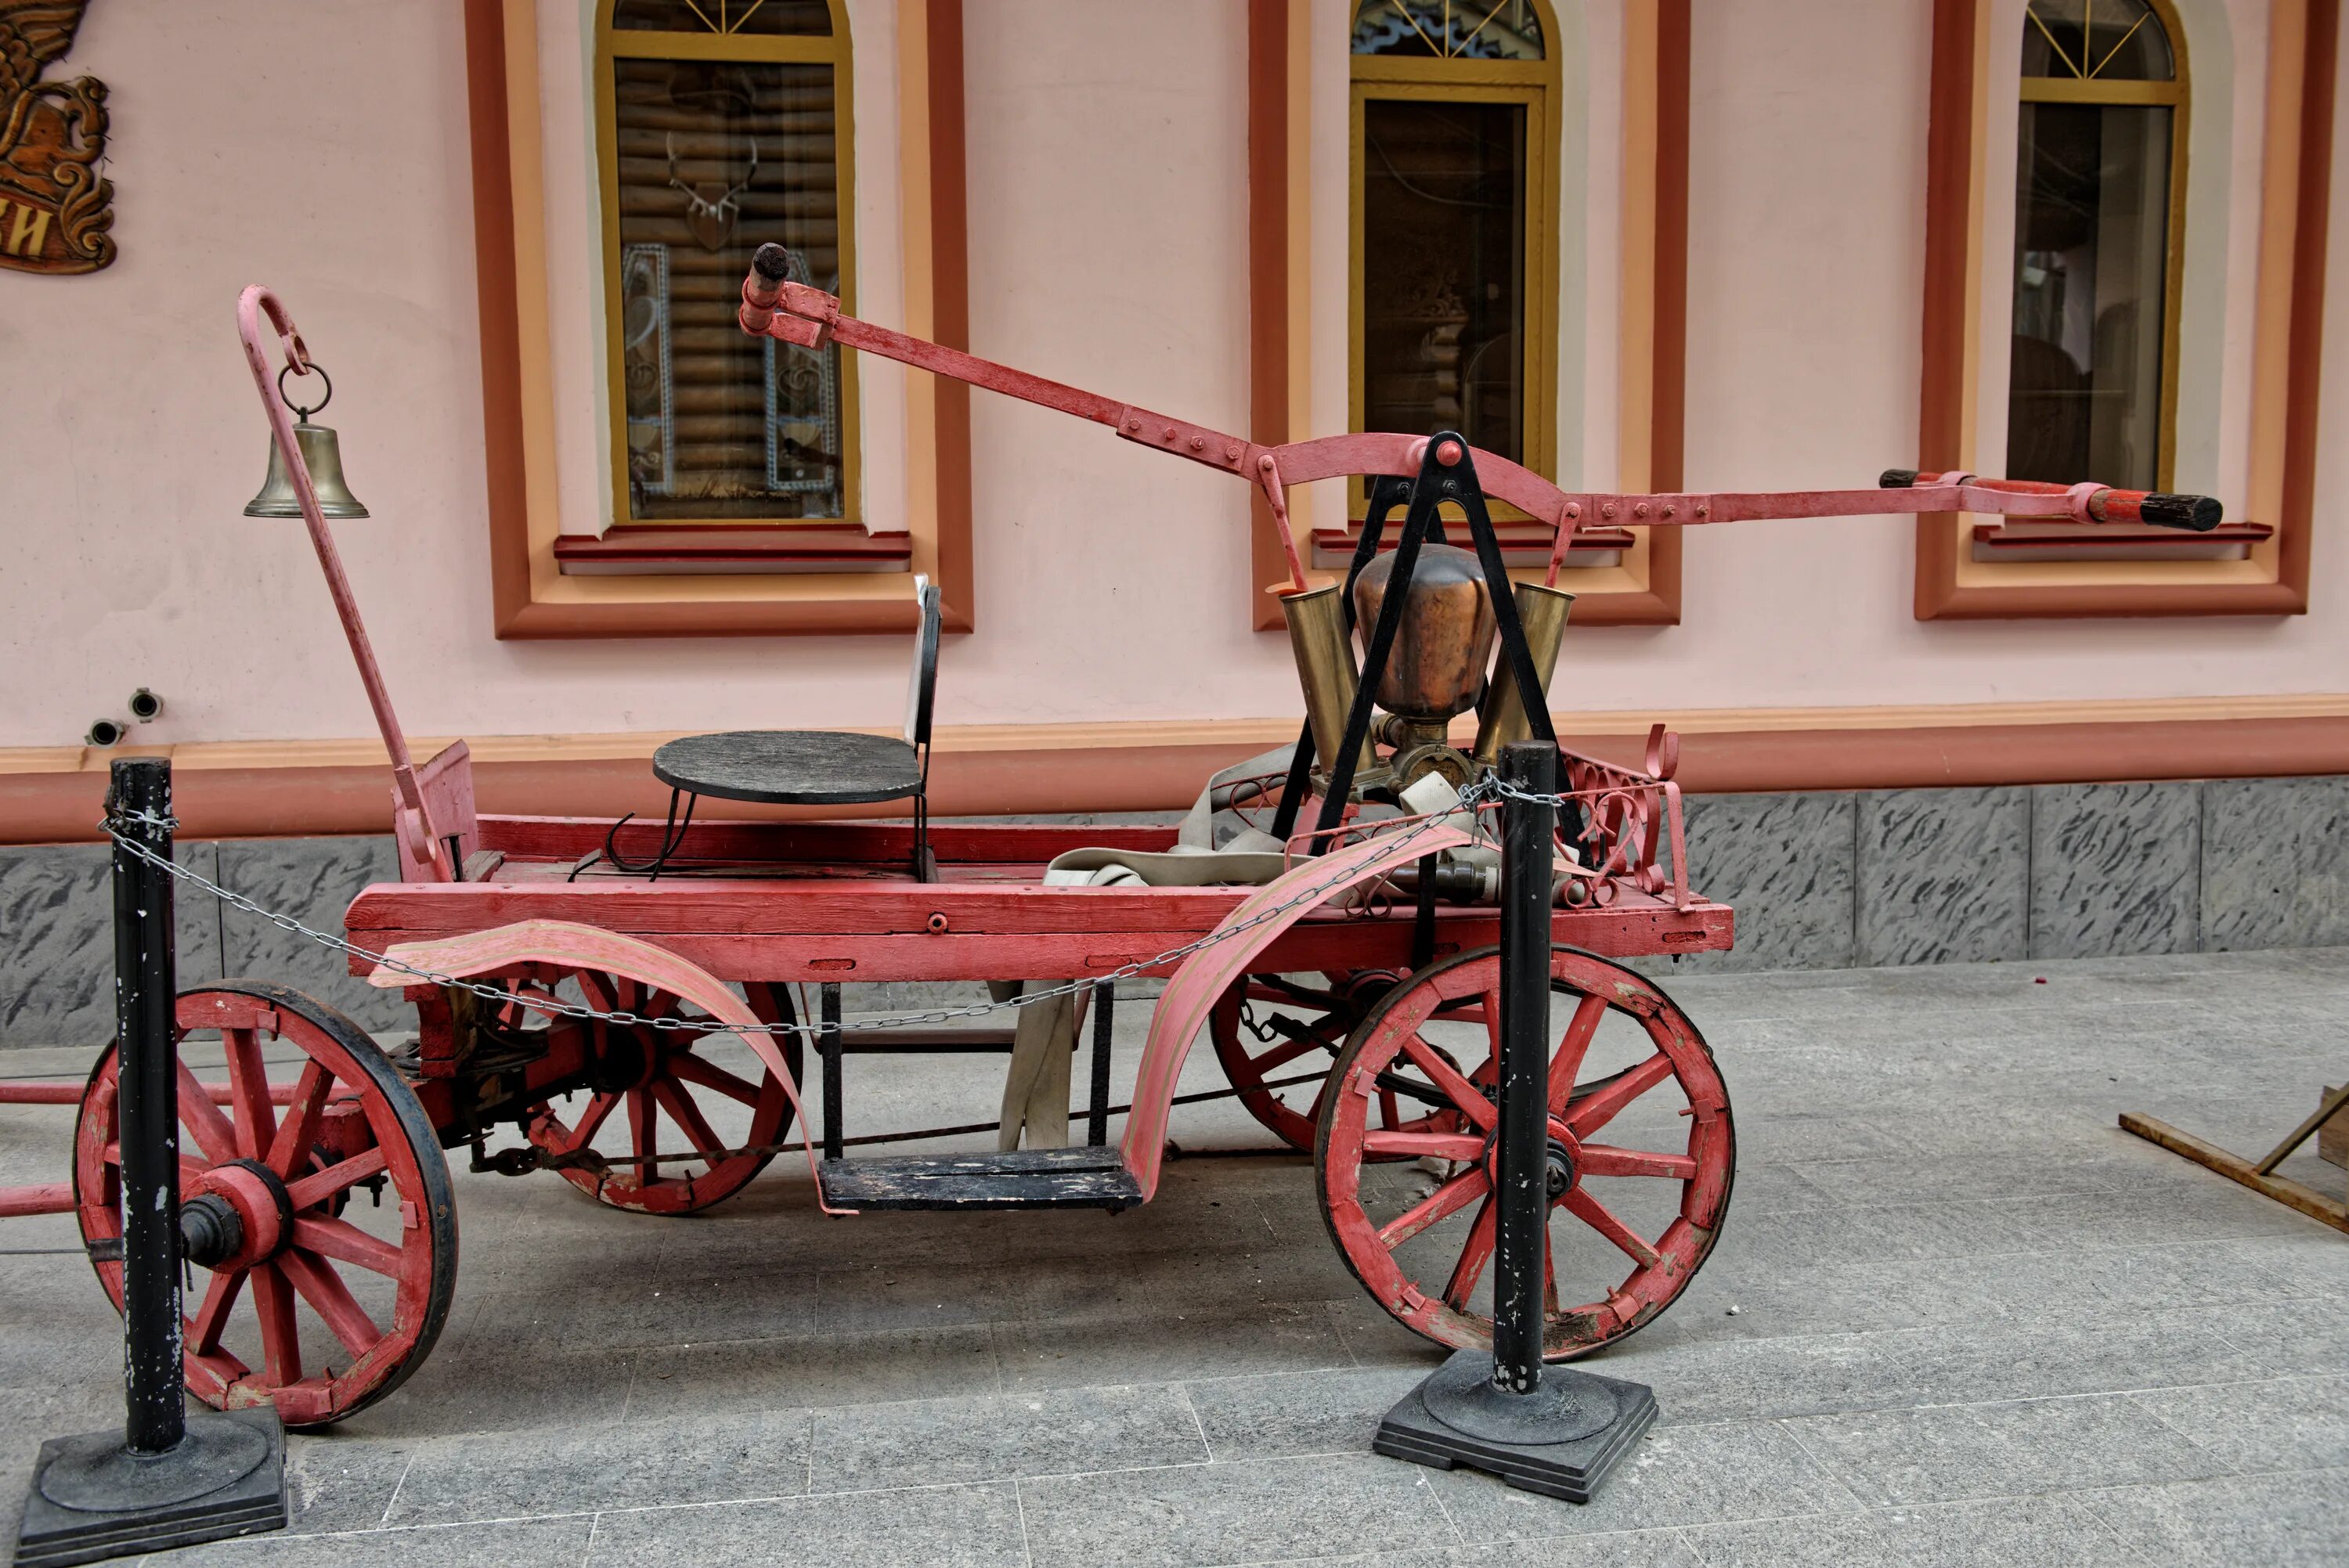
pixel 54 206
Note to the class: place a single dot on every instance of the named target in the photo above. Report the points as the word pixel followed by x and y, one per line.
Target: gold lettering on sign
pixel 30 228
pixel 57 209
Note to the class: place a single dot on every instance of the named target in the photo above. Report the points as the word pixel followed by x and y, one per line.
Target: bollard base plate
pixel 121 1507
pixel 1548 1444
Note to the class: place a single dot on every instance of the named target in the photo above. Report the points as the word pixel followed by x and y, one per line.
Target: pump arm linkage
pixel 773 306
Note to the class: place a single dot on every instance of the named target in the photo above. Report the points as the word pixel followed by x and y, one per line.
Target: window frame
pixel 2287 314
pixel 1537 85
pixel 2176 96
pixel 834 51
pixel 531 597
pixel 1290 45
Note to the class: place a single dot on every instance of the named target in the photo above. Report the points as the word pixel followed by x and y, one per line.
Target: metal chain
pixel 1475 795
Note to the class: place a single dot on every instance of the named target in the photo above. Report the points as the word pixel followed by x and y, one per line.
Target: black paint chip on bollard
pixel 129 1505
pixel 1561 1440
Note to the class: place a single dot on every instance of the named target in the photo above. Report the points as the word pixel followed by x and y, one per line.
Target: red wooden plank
pixel 888 842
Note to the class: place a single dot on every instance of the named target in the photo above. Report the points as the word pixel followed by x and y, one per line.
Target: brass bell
pixel 322 454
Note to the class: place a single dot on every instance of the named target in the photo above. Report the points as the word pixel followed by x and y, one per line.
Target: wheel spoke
pixel 1566 1062
pixel 1474 1256
pixel 599 1110
pixel 301 1124
pixel 1444 1201
pixel 1441 1145
pixel 1599 1218
pixel 1281 1055
pixel 1465 1096
pixel 341 1240
pixel 688 1114
pixel 203 1121
pixel 248 1080
pixel 644 1136
pixel 1588 1115
pixel 312 1190
pixel 205 1328
pixel 693 1069
pixel 331 1299
pixel 1491 1008
pixel 280 1344
pixel 1605 1160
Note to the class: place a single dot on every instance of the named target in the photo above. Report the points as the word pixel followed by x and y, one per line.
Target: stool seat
pixel 791 767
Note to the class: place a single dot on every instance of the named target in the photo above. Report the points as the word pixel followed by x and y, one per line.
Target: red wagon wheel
pixel 664 1105
pixel 1269 1028
pixel 344 1225
pixel 1640 1149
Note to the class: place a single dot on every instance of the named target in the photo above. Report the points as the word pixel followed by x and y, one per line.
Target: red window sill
pixel 655 550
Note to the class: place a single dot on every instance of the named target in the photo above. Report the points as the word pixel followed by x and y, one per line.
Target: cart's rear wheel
pixel 665 1107
pixel 290 1157
pixel 1277 1036
pixel 1639 1131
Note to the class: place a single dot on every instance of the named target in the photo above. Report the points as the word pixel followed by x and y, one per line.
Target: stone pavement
pixel 1975 1324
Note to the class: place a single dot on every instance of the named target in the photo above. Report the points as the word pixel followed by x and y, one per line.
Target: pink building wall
pixel 321 146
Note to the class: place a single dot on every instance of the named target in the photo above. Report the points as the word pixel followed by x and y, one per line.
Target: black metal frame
pixel 1438 481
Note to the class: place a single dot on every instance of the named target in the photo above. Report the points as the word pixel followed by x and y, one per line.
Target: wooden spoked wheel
pixel 345 1228
pixel 1269 1028
pixel 664 1106
pixel 1641 1152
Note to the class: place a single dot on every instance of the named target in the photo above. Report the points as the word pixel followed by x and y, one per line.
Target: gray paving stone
pixel 499 1385
pixel 1628 1548
pixel 1164 1347
pixel 2275 862
pixel 2116 868
pixel 1333 1411
pixel 2291 1423
pixel 510 1543
pixel 1679 1475
pixel 2051 1357
pixel 1002 1436
pixel 2028 1532
pixel 582 1470
pixel 839 1369
pixel 1943 875
pixel 1952 1452
pixel 1261 1511
pixel 338 1482
pixel 1739 1379
pixel 2289 1521
pixel 2291 1338
pixel 920 1527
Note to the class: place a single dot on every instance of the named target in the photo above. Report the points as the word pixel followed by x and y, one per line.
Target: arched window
pixel 723 125
pixel 1454 267
pixel 2099 222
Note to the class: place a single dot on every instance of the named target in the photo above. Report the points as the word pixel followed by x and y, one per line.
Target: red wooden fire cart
pixel 627 1002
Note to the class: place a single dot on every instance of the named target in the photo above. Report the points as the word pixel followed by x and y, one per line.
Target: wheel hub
pixel 236 1214
pixel 1560 1169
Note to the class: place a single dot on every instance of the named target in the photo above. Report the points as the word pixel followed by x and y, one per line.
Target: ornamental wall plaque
pixel 55 208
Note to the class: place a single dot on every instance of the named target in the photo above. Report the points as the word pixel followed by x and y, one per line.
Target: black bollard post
pixel 148 1107
pixel 166 1478
pixel 1554 1430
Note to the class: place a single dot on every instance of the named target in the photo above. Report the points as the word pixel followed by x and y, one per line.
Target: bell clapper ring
pixel 301 415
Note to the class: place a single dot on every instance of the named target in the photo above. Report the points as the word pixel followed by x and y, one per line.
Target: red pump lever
pixel 773 306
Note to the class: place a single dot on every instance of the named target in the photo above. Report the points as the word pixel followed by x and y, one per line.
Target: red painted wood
pixel 334 1107
pixel 50 1198
pixel 1432 1289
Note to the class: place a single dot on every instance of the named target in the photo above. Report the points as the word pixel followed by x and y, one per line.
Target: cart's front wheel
pixel 678 1113
pixel 1639 1145
pixel 328 1192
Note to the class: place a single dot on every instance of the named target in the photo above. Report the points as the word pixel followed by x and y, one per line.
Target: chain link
pixel 554 1007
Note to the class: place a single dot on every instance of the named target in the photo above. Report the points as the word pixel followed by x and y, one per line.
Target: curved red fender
pixel 1206 976
pixel 577 946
